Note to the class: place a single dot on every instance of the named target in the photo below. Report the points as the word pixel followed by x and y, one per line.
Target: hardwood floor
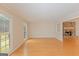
pixel 49 47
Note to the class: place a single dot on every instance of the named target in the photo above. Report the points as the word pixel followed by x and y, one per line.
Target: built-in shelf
pixel 68 29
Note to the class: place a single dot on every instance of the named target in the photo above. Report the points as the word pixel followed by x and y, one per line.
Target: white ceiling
pixel 46 11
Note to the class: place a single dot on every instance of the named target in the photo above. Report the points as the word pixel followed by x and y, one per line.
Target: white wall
pixel 59 31
pixel 16 26
pixel 18 34
pixel 42 30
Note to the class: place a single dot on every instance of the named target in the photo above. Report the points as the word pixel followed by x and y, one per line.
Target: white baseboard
pixel 45 38
pixel 41 37
pixel 16 48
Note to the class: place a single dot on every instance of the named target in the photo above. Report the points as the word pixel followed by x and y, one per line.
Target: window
pixel 25 30
pixel 4 34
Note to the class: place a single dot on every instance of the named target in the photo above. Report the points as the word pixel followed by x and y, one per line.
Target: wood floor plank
pixel 48 47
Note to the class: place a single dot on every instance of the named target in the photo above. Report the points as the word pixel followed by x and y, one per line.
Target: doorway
pixel 68 30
